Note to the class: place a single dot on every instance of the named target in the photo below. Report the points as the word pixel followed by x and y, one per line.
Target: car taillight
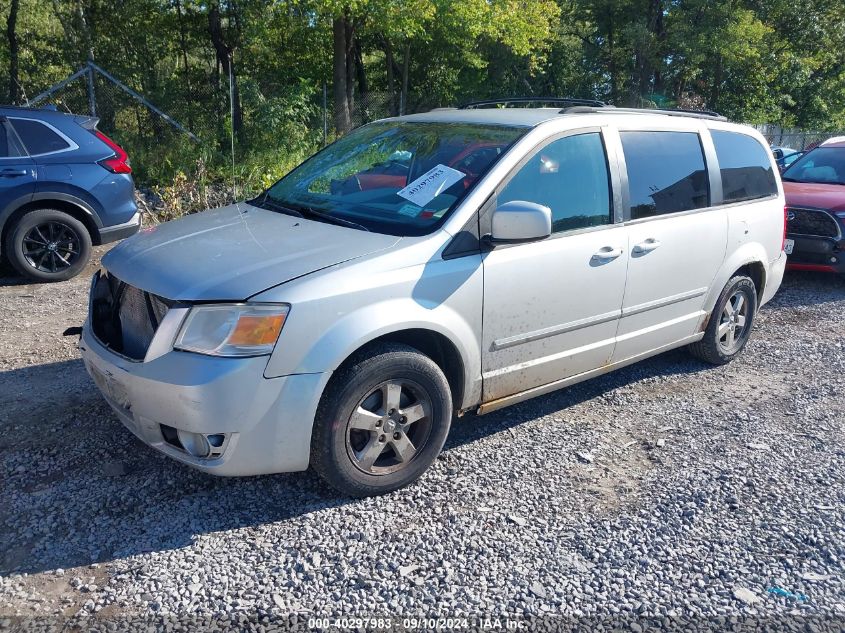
pixel 783 241
pixel 119 163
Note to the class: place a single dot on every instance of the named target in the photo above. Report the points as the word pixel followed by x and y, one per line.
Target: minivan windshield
pixel 395 177
pixel 825 165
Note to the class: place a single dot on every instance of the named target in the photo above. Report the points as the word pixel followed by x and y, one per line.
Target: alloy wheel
pixel 389 427
pixel 733 324
pixel 51 247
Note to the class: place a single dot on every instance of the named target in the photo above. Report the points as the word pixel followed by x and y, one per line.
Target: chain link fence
pixel 201 110
pixel 794 138
pixel 179 134
pixel 125 117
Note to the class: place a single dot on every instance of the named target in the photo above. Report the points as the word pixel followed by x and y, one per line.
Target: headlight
pixel 232 329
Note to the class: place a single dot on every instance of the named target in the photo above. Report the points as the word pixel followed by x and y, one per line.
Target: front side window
pixel 824 165
pixel 745 167
pixel 38 138
pixel 666 172
pixel 400 178
pixel 570 177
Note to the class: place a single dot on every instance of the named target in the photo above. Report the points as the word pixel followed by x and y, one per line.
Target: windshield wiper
pixel 302 211
pixel 268 203
pixel 308 212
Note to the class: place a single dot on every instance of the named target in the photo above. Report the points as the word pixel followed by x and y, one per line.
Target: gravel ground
pixel 669 489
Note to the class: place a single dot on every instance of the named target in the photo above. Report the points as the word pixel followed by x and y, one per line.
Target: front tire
pixel 729 327
pixel 48 245
pixel 382 421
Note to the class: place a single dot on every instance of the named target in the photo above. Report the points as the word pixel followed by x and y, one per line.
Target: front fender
pixel 361 328
pixel 442 297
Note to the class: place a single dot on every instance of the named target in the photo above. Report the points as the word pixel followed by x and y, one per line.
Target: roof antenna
pixel 232 119
pixel 23 92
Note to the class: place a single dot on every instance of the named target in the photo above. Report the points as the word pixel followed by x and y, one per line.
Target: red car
pixel 815 209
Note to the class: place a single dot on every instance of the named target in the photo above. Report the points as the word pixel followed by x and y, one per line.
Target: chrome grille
pixel 125 318
pixel 811 222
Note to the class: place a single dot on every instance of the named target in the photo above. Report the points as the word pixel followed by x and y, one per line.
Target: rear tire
pixel 730 324
pixel 48 245
pixel 382 421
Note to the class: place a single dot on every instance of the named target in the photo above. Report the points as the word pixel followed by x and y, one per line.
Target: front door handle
pixel 13 173
pixel 646 247
pixel 607 253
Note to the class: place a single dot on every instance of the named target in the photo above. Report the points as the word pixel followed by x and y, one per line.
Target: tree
pixel 225 42
pixel 12 35
pixel 777 61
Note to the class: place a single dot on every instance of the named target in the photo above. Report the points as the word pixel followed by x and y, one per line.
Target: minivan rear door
pixel 17 171
pixel 676 239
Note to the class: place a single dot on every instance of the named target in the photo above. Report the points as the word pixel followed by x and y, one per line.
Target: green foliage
pixel 774 61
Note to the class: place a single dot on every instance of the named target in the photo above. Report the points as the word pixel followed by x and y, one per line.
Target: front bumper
pixel 267 421
pixel 817 253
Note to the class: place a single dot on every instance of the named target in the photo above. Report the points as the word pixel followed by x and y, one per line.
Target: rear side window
pixel 666 172
pixel 37 137
pixel 745 167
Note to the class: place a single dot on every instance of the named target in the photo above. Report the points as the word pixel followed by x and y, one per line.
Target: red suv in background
pixel 815 208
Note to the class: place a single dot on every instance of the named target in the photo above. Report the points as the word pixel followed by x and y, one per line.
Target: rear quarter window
pixel 745 167
pixel 8 145
pixel 38 138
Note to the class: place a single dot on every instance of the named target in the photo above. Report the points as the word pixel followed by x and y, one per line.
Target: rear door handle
pixel 649 245
pixel 607 253
pixel 13 173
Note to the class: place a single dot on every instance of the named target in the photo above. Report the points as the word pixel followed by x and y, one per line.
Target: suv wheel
pixel 382 421
pixel 730 323
pixel 48 245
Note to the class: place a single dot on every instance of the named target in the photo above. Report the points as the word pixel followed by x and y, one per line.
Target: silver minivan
pixel 430 265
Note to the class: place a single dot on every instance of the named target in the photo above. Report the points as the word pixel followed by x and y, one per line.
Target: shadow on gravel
pixel 37 389
pixel 472 427
pixel 10 277
pixel 78 488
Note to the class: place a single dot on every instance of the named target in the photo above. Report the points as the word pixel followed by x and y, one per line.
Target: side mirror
pixel 778 153
pixel 520 221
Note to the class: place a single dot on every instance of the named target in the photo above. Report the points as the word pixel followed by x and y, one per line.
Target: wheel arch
pixel 757 271
pixel 76 211
pixel 749 260
pixel 436 345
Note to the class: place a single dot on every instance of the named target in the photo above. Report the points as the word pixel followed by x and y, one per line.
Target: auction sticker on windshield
pixel 431 184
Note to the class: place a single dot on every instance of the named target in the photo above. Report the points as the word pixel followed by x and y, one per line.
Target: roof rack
pixel 609 109
pixel 557 101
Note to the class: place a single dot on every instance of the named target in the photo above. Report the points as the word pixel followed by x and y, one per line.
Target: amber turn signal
pixel 257 329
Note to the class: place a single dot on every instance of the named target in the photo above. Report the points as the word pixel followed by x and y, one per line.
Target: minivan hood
pixel 815 195
pixel 232 253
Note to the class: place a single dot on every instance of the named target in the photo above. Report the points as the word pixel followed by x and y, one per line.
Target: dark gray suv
pixel 64 186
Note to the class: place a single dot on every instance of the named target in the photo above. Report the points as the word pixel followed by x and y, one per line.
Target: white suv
pixel 430 265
